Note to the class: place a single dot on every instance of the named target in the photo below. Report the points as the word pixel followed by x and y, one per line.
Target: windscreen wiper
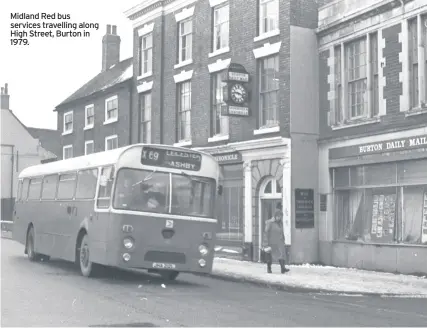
pixel 148 177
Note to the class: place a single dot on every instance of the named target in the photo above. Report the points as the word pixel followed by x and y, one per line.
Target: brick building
pixel 183 50
pixel 97 116
pixel 373 134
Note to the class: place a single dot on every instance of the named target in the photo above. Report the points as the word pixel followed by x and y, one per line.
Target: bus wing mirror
pixel 220 190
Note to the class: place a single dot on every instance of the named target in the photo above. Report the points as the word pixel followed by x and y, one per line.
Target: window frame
pixel 340 105
pixel 261 27
pixel 261 63
pixel 89 142
pixel 145 51
pixel 181 112
pixel 67 147
pixel 109 138
pixel 89 125
pixel 56 187
pixel 96 183
pixel 40 188
pixel 215 24
pixel 180 41
pixel 116 109
pixel 70 130
pixel 216 105
pixel 72 173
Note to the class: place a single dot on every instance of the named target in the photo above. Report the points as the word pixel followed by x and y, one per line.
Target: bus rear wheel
pixel 169 275
pixel 31 253
pixel 87 267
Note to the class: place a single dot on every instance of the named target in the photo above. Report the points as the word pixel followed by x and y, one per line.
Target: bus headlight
pixel 126 257
pixel 203 250
pixel 202 263
pixel 128 242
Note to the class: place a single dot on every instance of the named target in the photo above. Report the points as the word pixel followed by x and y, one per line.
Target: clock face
pixel 238 93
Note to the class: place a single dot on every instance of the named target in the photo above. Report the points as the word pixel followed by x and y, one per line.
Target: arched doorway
pixel 270 195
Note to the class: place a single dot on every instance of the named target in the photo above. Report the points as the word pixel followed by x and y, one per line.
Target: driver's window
pixel 105 182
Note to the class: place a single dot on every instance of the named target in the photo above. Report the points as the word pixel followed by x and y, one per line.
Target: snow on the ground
pixel 341 280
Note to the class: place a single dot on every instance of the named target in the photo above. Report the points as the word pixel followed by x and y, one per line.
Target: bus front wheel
pixel 169 275
pixel 87 267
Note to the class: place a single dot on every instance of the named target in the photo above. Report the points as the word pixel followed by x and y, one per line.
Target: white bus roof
pixel 108 157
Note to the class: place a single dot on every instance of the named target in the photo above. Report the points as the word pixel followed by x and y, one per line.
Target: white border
pixel 146 29
pixel 145 86
pixel 184 14
pixel 267 49
pixel 219 65
pixel 183 76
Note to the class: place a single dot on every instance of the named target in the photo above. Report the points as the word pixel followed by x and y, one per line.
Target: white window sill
pixel 67 132
pixel 267 35
pixel 219 52
pixel 111 121
pixel 184 63
pixel 88 127
pixel 183 143
pixel 145 75
pixel 352 124
pixel 219 138
pixel 266 130
pixel 416 111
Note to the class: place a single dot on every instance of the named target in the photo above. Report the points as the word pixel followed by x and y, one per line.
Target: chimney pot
pixel 114 32
pixel 108 29
pixel 4 101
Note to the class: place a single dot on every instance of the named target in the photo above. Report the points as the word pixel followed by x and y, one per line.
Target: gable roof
pixel 48 138
pixel 118 73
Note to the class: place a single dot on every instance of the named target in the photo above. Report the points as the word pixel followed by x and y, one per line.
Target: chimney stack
pixel 4 97
pixel 110 48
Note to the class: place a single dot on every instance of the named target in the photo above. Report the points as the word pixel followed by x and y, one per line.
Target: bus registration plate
pixel 163 266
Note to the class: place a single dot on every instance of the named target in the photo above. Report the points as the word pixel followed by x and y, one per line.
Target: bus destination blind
pixel 174 159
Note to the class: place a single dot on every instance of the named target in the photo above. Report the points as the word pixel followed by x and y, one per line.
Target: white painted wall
pixel 26 150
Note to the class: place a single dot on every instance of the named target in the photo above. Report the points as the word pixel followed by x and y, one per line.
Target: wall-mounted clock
pixel 238 93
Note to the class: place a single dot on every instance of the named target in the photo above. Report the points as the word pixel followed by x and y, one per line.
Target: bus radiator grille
pixel 165 257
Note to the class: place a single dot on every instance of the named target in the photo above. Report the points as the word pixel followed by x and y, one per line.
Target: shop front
pixel 230 209
pixel 379 203
pixel 256 179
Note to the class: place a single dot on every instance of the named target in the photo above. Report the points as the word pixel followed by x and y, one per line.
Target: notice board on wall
pixel 304 208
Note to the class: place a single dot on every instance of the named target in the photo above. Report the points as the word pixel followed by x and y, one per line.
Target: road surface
pixel 54 294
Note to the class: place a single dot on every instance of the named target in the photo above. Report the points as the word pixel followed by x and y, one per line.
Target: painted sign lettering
pixel 176 159
pixel 379 147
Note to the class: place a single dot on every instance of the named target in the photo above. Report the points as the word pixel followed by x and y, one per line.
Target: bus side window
pixel 50 183
pixel 66 186
pixel 86 184
pixel 105 186
pixel 25 186
pixel 35 189
pixel 19 192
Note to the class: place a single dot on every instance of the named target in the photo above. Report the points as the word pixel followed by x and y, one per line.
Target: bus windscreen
pixel 174 159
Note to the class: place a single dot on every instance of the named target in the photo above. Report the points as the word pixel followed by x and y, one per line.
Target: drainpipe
pixel 11 171
pixel 161 82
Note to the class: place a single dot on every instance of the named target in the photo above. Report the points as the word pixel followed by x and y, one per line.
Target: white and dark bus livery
pixel 137 207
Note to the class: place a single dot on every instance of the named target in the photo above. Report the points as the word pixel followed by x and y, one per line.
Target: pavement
pixel 53 293
pixel 325 279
